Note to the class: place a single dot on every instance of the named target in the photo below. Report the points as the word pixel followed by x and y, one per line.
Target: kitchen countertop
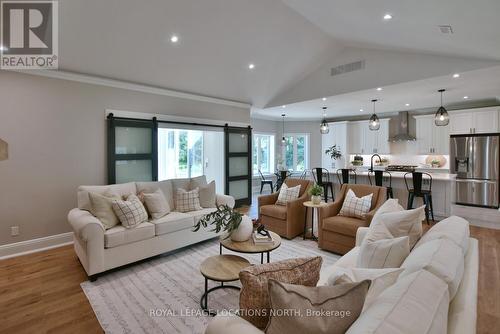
pixel 435 176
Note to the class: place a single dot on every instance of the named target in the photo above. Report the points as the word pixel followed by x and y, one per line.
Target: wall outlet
pixel 14 231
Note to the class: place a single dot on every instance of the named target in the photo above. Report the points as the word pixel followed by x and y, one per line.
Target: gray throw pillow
pixel 298 309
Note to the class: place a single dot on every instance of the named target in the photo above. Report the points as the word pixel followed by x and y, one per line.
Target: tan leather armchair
pixel 338 233
pixel 287 221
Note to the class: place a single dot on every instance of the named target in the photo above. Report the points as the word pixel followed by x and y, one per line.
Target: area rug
pixel 162 295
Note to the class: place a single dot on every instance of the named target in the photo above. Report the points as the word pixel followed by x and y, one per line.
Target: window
pixel 296 152
pixel 263 154
pixel 180 153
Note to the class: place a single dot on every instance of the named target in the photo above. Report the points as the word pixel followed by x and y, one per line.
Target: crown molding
pixel 95 80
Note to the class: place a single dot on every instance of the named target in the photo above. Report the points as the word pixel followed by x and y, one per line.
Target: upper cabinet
pixel 336 136
pixel 362 140
pixel 480 120
pixel 432 139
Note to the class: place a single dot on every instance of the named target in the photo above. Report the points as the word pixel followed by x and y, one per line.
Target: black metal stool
pixel 264 181
pixel 379 181
pixel 322 178
pixel 418 191
pixel 344 175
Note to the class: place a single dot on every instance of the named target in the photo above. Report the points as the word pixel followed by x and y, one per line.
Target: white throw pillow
pixel 156 203
pixel 187 201
pixel 380 279
pixel 130 212
pixel 393 222
pixel 415 304
pixel 453 228
pixel 354 206
pixel 442 257
pixel 287 194
pixel 385 253
pixel 208 197
pixel 101 206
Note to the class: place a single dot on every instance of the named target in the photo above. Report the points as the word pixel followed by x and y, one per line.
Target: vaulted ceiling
pixel 292 43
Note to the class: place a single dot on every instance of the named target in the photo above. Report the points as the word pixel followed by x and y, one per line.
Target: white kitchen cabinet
pixel 432 139
pixel 336 136
pixel 479 120
pixel 362 140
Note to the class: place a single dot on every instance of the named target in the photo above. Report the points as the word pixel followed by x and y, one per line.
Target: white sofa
pixel 461 310
pixel 100 250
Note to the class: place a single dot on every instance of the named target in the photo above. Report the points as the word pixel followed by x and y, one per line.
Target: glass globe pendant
pixel 374 123
pixel 441 118
pixel 323 127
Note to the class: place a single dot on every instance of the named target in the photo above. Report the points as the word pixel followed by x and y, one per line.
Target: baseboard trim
pixel 35 245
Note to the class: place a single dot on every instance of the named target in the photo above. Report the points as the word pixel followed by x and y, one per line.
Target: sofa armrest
pixel 329 210
pixel 84 224
pixel 225 200
pixel 230 324
pixel 360 235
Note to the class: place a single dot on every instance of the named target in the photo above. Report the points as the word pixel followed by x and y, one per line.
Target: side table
pixel 310 204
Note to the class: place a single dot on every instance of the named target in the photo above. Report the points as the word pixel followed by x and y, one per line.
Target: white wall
pixel 57 141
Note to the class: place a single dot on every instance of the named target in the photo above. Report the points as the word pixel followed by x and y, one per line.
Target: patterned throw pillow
pixel 287 194
pixel 254 295
pixel 187 201
pixel 130 212
pixel 354 206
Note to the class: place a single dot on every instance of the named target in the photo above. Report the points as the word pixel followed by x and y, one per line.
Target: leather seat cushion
pixel 275 211
pixel 119 235
pixel 343 225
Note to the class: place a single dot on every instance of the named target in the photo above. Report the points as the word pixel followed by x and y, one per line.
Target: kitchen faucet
pixel 371 161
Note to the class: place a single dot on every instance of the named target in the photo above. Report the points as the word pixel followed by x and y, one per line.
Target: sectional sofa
pixel 436 293
pixel 100 250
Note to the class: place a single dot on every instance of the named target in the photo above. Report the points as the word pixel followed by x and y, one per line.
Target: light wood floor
pixel 40 293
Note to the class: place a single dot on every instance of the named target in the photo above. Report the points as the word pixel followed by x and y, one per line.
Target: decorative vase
pixel 244 231
pixel 316 199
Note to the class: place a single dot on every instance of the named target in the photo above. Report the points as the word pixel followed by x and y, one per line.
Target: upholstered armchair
pixel 287 221
pixel 338 233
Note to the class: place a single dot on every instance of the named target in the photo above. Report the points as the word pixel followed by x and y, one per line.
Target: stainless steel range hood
pixel 403 132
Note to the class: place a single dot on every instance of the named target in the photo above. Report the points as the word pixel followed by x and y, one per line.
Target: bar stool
pixel 264 181
pixel 343 174
pixel 322 178
pixel 417 191
pixel 379 180
pixel 303 176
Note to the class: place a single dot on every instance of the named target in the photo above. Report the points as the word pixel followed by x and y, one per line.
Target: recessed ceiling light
pixel 466 97
pixel 379 89
pixel 456 75
pixel 3 48
pixel 251 66
pixel 283 106
pixel 407 104
pixel 174 39
pixel 324 99
pixel 387 16
pixel 360 109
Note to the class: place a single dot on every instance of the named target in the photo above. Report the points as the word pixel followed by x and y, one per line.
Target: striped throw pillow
pixel 287 194
pixel 187 201
pixel 354 206
pixel 130 212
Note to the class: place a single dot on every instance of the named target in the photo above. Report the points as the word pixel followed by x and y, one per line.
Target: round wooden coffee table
pixel 249 247
pixel 220 268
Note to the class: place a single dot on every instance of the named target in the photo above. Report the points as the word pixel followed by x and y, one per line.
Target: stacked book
pixel 260 239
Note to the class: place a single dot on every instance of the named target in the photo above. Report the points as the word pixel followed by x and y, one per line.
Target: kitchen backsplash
pixel 400 159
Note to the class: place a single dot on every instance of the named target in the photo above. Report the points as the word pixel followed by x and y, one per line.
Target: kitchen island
pixel 442 183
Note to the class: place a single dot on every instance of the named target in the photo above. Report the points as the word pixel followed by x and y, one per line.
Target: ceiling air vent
pixel 446 29
pixel 358 65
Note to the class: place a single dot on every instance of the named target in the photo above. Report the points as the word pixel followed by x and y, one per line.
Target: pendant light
pixel 283 138
pixel 441 118
pixel 374 123
pixel 324 128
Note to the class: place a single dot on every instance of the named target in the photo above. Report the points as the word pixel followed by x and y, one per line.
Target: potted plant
pixel 334 153
pixel 316 192
pixel 237 226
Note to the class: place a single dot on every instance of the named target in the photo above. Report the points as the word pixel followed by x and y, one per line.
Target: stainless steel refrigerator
pixel 476 161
